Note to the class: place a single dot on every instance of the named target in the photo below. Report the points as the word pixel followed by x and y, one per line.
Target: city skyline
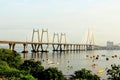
pixel 73 17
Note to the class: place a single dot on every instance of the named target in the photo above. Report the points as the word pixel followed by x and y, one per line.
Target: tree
pixel 52 74
pixel 9 64
pixel 84 74
pixel 32 67
pixel 114 72
pixel 27 77
pixel 12 73
pixel 12 58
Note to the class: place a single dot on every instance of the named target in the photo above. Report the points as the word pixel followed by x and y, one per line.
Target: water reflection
pixel 56 57
pixel 35 55
pixel 25 55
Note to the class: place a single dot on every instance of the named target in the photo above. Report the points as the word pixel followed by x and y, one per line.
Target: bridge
pixel 39 45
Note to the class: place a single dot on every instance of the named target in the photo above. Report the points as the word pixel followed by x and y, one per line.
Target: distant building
pixel 111 46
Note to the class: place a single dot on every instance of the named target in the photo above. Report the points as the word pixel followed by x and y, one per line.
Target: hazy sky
pixel 73 17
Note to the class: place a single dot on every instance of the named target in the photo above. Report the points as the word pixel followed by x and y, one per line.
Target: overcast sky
pixel 73 17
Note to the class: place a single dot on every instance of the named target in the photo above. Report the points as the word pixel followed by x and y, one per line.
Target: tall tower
pixel 42 38
pixel 63 37
pixel 55 36
pixel 63 40
pixel 90 41
pixel 38 35
pixel 35 47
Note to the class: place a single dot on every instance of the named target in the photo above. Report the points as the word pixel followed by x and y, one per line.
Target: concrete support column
pixel 60 47
pixel 35 47
pixel 84 47
pixel 25 46
pixel 73 47
pixel 55 48
pixel 43 49
pixel 11 46
pixel 67 47
pixel 70 47
pixel 25 50
pixel 78 47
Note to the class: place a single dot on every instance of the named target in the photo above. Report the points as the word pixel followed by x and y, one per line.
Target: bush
pixel 9 66
pixel 114 72
pixel 84 74
pixel 32 67
pixel 52 74
pixel 12 58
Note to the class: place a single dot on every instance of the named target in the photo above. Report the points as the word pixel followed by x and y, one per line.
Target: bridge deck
pixel 45 43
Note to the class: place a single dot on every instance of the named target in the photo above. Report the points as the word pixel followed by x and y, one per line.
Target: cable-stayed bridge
pixel 60 45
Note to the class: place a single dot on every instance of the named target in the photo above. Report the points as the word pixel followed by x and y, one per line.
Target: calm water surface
pixel 68 62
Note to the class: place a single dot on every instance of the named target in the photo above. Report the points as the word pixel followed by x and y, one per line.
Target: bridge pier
pixel 25 46
pixel 77 47
pixel 71 47
pixel 74 47
pixel 44 50
pixel 82 48
pixel 25 50
pixel 67 47
pixel 55 49
pixel 64 47
pixel 61 48
pixel 35 47
pixel 11 46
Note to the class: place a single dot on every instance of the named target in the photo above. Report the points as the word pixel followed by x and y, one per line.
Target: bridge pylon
pixel 90 41
pixel 55 36
pixel 38 35
pixel 35 47
pixel 44 31
pixel 63 38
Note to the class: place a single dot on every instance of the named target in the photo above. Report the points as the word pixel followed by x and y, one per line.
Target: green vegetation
pixel 12 68
pixel 32 67
pixel 114 72
pixel 37 71
pixel 13 59
pixel 84 74
pixel 9 64
pixel 52 74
